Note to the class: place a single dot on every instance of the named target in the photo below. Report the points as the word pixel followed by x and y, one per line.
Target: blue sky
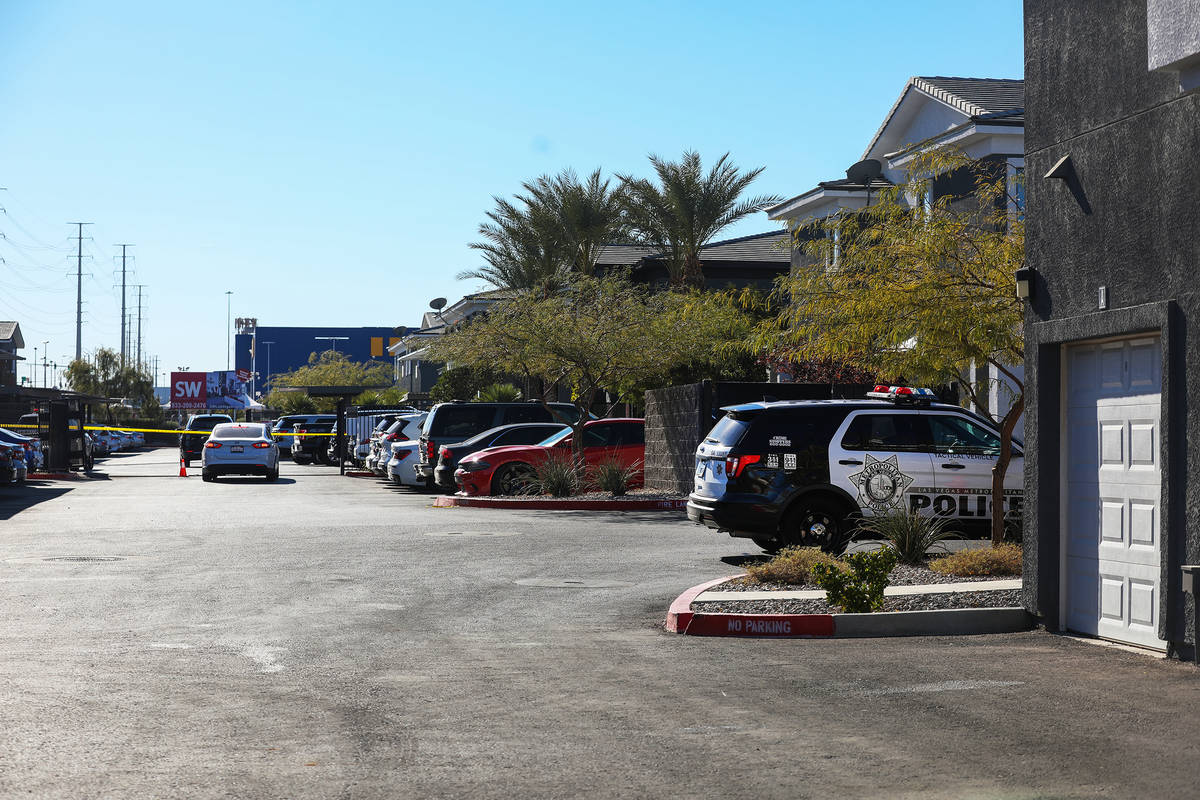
pixel 330 162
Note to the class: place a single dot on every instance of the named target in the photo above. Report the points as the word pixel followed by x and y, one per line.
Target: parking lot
pixel 334 637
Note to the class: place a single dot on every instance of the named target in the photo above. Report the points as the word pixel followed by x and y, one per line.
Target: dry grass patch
pixel 792 566
pixel 1002 560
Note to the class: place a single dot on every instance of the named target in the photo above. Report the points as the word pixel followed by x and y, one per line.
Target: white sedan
pixel 240 448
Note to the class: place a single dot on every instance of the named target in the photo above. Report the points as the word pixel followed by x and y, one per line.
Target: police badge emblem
pixel 881 484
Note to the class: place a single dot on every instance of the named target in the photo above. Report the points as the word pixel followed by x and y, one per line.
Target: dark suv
pixel 455 421
pixel 802 472
pixel 191 445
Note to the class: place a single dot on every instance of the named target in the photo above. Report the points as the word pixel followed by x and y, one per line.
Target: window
pixel 955 435
pixel 904 433
pixel 527 413
pixel 461 421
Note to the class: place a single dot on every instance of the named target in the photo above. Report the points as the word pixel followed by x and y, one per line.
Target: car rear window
pixel 461 420
pixel 238 432
pixel 206 423
pixel 728 431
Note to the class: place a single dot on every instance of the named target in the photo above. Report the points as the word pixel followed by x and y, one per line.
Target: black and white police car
pixel 801 472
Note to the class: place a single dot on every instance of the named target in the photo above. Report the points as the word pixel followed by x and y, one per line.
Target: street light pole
pixel 228 329
pixel 45 354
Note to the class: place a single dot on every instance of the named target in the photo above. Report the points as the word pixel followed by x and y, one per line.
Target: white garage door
pixel 1112 476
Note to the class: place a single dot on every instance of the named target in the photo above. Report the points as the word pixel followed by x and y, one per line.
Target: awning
pixel 415 355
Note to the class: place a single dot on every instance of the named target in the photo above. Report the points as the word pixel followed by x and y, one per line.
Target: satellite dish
pixel 865 171
pixel 437 303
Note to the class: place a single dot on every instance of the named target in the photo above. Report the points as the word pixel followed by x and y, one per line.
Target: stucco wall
pixel 1129 222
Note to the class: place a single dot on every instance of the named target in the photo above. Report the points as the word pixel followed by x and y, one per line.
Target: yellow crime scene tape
pixel 153 430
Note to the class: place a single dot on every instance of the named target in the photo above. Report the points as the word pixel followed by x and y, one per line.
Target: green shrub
pixel 792 566
pixel 861 589
pixel 557 476
pixel 611 476
pixel 910 535
pixel 498 393
pixel 1002 560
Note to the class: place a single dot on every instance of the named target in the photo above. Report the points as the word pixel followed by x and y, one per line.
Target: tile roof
pixel 992 99
pixel 975 97
pixel 11 331
pixel 756 247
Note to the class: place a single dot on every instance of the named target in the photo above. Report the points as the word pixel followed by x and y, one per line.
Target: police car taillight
pixel 734 465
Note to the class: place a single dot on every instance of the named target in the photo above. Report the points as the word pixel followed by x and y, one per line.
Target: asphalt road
pixel 332 637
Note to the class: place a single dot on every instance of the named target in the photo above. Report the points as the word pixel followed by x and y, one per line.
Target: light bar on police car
pixel 884 392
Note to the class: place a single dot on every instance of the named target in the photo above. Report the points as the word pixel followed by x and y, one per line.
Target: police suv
pixel 801 472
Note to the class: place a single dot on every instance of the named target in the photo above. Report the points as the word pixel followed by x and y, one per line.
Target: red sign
pixel 243 375
pixel 189 390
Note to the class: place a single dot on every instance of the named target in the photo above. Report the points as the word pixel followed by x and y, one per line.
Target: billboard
pixel 223 389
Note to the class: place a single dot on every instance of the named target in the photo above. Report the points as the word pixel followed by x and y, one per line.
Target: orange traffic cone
pixel 182 469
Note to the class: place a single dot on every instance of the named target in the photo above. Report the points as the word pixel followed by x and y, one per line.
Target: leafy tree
pixel 922 290
pixel 462 382
pixel 559 224
pixel 295 403
pixel 329 368
pixel 687 208
pixel 104 376
pixel 600 334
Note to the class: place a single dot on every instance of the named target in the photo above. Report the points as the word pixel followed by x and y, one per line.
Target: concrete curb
pixel 941 622
pixel 360 473
pixel 547 504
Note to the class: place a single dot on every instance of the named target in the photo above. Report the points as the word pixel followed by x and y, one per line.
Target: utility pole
pixel 123 329
pixel 228 330
pixel 45 353
pixel 79 293
pixel 139 287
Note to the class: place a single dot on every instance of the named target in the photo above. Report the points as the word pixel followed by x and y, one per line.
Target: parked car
pixel 8 462
pixel 455 421
pixel 522 433
pixel 102 443
pixel 20 468
pixel 404 428
pixel 281 429
pixel 307 447
pixel 195 434
pixel 362 427
pixel 31 448
pixel 401 467
pixel 510 470
pixel 240 448
pixel 802 472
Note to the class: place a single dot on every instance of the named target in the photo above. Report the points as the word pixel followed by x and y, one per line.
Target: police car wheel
pixel 818 525
pixel 771 546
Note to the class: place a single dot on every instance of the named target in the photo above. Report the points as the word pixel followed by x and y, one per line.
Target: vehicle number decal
pixel 789 461
pixel 772 460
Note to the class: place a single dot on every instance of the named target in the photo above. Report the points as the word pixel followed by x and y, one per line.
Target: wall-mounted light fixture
pixel 1024 282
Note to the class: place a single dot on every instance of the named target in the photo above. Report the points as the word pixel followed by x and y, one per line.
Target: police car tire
pixel 770 546
pixel 806 514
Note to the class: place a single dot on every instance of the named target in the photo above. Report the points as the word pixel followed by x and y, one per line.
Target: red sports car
pixel 509 470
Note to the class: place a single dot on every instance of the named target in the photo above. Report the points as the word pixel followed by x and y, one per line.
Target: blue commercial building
pixel 274 350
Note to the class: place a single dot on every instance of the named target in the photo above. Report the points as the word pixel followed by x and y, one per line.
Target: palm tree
pixel 524 247
pixel 590 214
pixel 687 209
pixel 534 241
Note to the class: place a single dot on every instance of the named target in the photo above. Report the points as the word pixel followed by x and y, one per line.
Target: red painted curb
pixel 53 476
pixel 544 504
pixel 360 473
pixel 761 625
pixel 680 613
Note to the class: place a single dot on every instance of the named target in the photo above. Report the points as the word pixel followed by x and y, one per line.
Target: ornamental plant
pixel 861 589
pixel 910 534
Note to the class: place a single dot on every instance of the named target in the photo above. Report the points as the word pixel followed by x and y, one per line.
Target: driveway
pixel 334 637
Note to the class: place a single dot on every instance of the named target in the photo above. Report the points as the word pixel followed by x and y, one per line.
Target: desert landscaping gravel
pixel 994 598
